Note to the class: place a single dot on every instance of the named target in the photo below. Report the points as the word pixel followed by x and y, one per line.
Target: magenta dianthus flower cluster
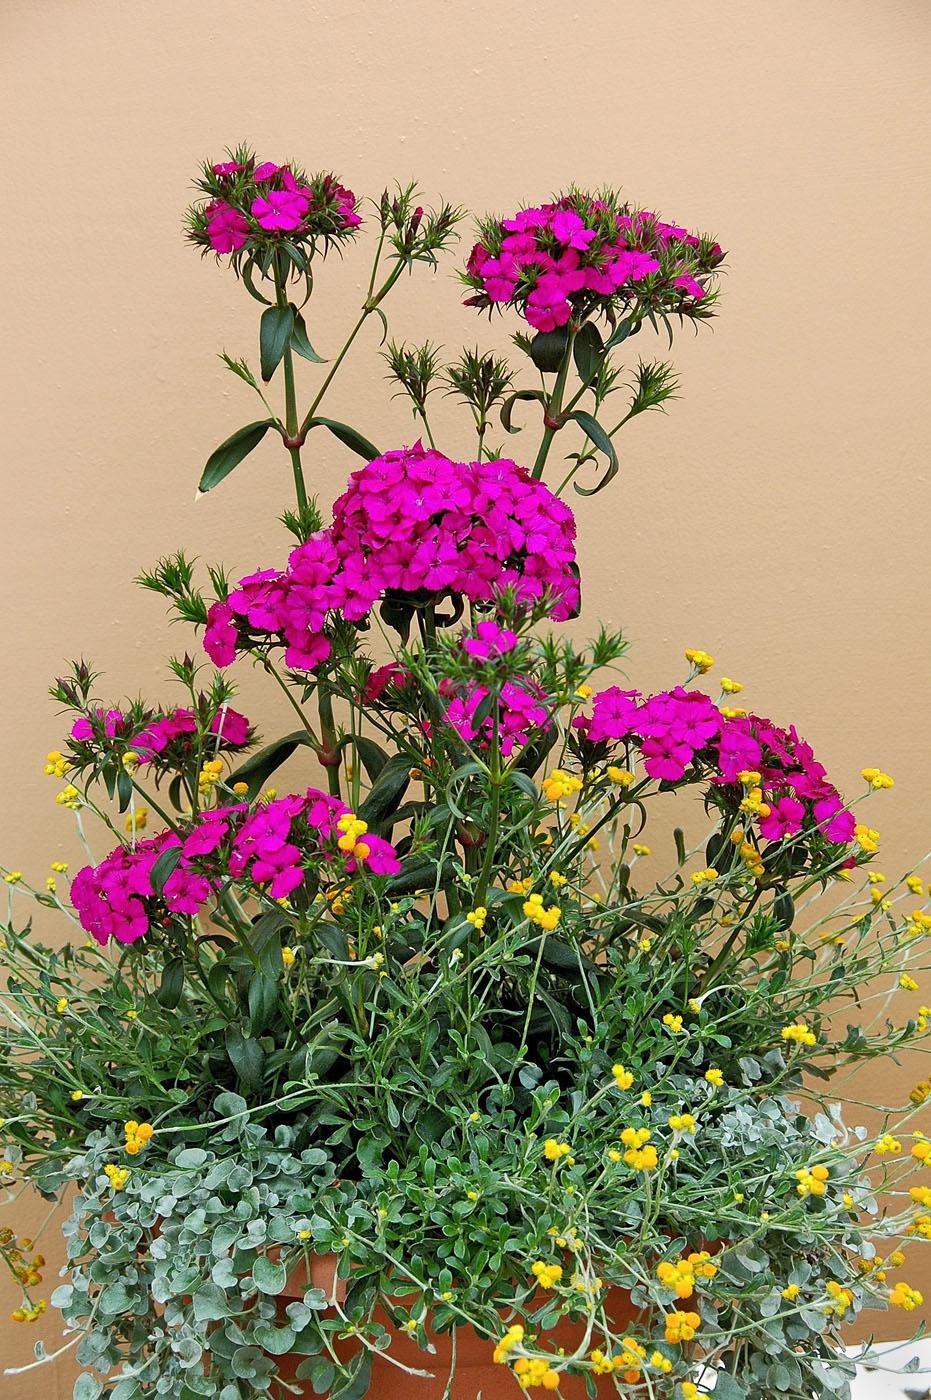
pixel 678 728
pixel 231 729
pixel 272 845
pixel 582 249
pixel 411 522
pixel 251 205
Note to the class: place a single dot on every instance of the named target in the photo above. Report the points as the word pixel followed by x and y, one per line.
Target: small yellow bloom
pixel 730 687
pixel 622 1077
pixel 915 884
pixel 641 850
pixel 704 877
pixel 791 1292
pixel 904 1297
pixel 877 778
pixel 715 1077
pixel 13 877
pixel 682 1123
pixel 288 957
pixel 546 1275
pixel 137 819
pixel 672 1023
pixel 908 984
pixel 799 1033
pixel 554 1150
pixel 701 661
pixel 61 1005
pixel 621 777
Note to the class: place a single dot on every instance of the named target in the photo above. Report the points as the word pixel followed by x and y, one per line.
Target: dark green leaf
pixel 548 349
pixel 348 436
pixel 520 395
pixel 588 351
pixel 246 1056
pixel 231 452
pixel 258 769
pixel 372 756
pixel 387 790
pixel 274 334
pixel 172 984
pixel 163 867
pixel 594 431
pixel 300 343
pixel 263 998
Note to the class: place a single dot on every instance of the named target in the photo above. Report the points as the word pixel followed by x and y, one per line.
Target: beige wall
pixel 778 517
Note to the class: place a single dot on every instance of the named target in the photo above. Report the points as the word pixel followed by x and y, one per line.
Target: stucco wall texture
pixel 778 516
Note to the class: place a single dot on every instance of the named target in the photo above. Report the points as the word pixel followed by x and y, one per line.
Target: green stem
pixel 290 401
pixel 327 735
pixel 554 406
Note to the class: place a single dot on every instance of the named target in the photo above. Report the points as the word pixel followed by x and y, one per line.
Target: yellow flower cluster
pixel 640 1153
pixel 682 1123
pixel 536 1371
pixel 137 819
pixel 352 828
pixel 877 778
pixel 700 660
pixel 715 1077
pixel 288 957
pixel 921 1150
pixel 137 1135
pixel 559 784
pixel 704 877
pixel 677 1275
pixel 546 1275
pixel 29 1312
pixel 921 1225
pixel 511 1339
pixel 904 1297
pixel 922 1089
pixel 622 777
pixel 545 918
pixel 13 877
pixel 69 797
pixel 672 1023
pixel 554 1150
pixel 477 917
pixel 629 1361
pixel 754 805
pixel 56 765
pixel 841 1298
pixel 888 1146
pixel 209 775
pixel 622 1077
pixel 866 838
pixel 117 1176
pixel 681 1326
pixel 730 687
pixel 800 1033
pixel 813 1181
pixel 919 923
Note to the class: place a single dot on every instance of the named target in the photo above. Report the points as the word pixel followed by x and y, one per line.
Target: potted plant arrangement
pixel 433 1078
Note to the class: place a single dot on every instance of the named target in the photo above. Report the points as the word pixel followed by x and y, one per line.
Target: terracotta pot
pixel 476 1372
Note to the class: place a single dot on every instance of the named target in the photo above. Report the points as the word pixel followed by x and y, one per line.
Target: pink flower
pixel 231 726
pixel 227 230
pixel 220 635
pixel 280 209
pixel 227 167
pixel 785 819
pixel 393 676
pixel 489 640
pixel 265 171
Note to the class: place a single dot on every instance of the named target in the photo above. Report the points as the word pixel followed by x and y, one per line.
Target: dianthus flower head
pixel 413 527
pixel 248 209
pixel 585 251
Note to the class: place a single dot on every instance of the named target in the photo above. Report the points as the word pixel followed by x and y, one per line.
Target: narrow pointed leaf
pixel 231 452
pixel 348 436
pixel 274 334
pixel 300 343
pixel 594 431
